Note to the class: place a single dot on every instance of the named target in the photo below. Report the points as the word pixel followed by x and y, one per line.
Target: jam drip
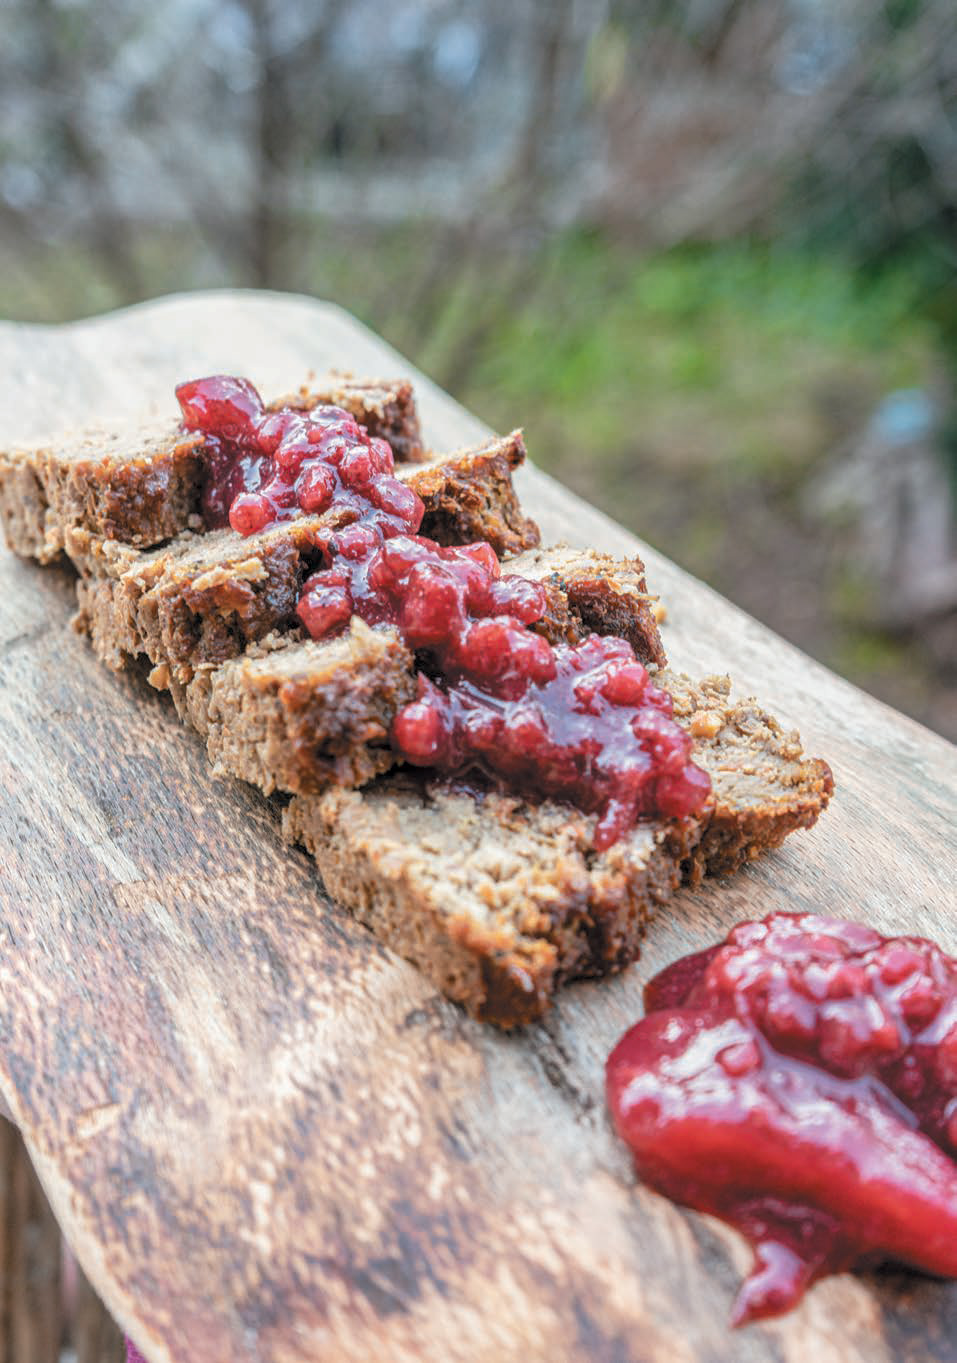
pixel 800 1082
pixel 578 723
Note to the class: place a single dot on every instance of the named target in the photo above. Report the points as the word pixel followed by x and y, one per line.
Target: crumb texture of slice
pixel 764 784
pixel 299 715
pixel 593 593
pixel 469 495
pixel 30 528
pixel 496 899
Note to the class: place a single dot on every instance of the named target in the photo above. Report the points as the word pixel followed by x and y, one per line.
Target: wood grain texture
pixel 264 1136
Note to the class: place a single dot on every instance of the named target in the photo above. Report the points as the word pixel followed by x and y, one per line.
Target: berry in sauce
pixel 800 1082
pixel 579 723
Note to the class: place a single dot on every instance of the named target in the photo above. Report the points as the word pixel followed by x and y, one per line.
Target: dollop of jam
pixel 264 466
pixel 800 1082
pixel 581 723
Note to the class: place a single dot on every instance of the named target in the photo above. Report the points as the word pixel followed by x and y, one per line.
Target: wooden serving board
pixel 265 1137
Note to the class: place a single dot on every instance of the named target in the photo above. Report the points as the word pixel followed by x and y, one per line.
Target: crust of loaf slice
pixel 498 901
pixel 202 599
pixel 469 495
pixel 386 407
pixel 141 485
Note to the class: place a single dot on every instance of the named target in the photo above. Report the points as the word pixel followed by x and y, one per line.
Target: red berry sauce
pixel 266 466
pixel 582 724
pixel 800 1082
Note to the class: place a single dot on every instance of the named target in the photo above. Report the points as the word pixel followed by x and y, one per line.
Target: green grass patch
pixel 699 355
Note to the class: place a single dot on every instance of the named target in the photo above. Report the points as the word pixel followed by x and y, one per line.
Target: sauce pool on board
pixel 799 1081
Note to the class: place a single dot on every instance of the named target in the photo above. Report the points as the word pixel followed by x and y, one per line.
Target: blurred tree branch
pixel 235 124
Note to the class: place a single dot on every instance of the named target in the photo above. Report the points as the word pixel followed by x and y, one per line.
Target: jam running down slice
pixel 578 723
pixel 800 1082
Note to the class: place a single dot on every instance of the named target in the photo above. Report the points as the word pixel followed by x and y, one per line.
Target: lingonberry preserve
pixel 582 723
pixel 264 466
pixel 800 1081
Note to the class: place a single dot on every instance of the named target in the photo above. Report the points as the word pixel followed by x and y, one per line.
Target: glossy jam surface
pixel 266 466
pixel 578 723
pixel 800 1082
pixel 582 724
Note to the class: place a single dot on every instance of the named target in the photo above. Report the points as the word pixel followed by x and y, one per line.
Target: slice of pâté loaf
pixel 204 598
pixel 298 714
pixel 497 900
pixel 142 485
pixel 590 592
pixel 765 786
pixel 500 900
pixel 295 714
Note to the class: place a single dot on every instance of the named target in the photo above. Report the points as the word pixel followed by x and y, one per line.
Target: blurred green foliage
pixel 705 354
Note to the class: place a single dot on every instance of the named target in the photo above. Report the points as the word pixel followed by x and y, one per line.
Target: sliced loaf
pixel 203 598
pixel 141 485
pixel 295 714
pixel 498 899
